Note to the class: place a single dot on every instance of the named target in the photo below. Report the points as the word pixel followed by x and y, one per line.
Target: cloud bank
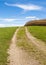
pixel 9 19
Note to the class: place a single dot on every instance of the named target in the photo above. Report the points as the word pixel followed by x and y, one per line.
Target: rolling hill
pixel 36 22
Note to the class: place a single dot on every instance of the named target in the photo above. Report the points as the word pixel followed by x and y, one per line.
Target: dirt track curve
pixel 18 56
pixel 40 44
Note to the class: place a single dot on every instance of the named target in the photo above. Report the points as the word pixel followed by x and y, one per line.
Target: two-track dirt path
pixel 40 44
pixel 19 57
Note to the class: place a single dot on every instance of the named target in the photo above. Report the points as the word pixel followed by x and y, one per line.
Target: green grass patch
pixel 38 31
pixel 5 37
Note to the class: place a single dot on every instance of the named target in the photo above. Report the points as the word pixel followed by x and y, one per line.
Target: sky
pixel 18 12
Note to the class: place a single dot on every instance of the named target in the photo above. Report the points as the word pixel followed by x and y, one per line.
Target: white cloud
pixel 9 19
pixel 25 7
pixel 3 20
pixel 6 19
pixel 32 18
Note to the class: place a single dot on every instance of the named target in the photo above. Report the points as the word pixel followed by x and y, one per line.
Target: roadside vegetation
pixel 38 31
pixel 26 45
pixel 5 37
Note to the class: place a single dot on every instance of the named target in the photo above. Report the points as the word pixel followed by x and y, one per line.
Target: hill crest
pixel 36 22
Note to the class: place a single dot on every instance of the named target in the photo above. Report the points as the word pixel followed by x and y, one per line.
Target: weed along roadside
pixel 5 38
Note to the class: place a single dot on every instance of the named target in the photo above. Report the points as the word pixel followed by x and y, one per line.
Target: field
pixel 22 47
pixel 5 37
pixel 38 31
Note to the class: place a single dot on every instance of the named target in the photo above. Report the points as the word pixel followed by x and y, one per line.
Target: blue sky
pixel 18 12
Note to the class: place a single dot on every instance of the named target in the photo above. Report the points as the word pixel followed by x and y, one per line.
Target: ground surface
pixel 26 49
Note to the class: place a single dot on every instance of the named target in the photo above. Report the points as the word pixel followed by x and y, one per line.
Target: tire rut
pixel 41 45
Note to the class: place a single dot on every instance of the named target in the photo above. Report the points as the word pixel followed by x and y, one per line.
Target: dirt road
pixel 18 56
